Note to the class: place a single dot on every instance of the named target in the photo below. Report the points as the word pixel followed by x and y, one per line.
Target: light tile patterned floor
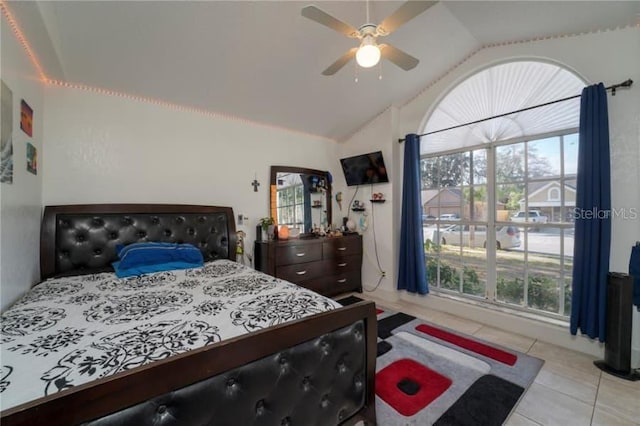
pixel 569 390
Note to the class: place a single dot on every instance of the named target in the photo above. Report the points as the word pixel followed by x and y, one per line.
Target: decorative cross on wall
pixel 255 185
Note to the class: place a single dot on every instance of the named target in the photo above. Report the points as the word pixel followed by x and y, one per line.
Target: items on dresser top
pixel 326 265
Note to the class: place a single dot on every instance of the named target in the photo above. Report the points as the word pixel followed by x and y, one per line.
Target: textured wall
pixel 107 149
pixel 20 202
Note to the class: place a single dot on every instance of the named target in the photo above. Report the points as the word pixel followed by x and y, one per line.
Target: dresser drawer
pixel 339 247
pixel 319 285
pixel 342 283
pixel 342 264
pixel 298 253
pixel 298 272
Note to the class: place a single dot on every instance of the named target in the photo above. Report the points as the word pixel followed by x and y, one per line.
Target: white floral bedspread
pixel 68 331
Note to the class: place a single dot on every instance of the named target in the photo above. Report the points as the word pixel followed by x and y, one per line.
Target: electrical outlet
pixel 383 273
pixel 240 219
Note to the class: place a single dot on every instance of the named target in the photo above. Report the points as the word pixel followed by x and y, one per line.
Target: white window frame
pixel 490 296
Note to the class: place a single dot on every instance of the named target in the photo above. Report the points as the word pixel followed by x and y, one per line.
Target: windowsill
pixel 504 309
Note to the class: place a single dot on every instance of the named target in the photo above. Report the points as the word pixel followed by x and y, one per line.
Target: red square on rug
pixel 426 386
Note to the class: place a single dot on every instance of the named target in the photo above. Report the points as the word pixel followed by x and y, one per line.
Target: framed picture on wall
pixel 32 159
pixel 26 118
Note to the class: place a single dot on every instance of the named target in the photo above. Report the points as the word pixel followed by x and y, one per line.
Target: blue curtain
pixel 592 242
pixel 412 275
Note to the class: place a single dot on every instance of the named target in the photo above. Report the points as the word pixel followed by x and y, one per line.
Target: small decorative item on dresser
pixel 266 223
pixel 283 232
pixel 294 232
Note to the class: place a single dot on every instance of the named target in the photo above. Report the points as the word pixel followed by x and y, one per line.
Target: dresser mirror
pixel 300 198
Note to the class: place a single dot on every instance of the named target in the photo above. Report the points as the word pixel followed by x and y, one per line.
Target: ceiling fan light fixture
pixel 368 54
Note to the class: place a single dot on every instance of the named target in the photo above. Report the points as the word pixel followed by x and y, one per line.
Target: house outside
pixel 444 201
pixel 450 201
pixel 547 198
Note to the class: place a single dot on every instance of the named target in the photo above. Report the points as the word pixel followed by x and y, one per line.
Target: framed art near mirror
pixel 300 197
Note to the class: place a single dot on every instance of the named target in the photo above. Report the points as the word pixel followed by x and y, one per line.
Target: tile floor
pixel 569 390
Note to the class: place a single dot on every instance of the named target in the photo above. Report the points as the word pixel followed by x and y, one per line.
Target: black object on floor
pixel 349 300
pixel 471 408
pixel 617 347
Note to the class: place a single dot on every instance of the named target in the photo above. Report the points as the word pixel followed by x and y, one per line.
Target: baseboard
pixel 544 331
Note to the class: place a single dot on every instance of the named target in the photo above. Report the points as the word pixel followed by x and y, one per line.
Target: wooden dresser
pixel 325 265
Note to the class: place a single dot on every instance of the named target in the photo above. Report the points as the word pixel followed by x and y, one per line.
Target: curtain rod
pixel 625 84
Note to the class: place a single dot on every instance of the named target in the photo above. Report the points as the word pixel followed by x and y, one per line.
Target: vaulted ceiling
pixel 262 60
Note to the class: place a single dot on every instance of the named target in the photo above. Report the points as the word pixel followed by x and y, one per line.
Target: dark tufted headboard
pixel 84 237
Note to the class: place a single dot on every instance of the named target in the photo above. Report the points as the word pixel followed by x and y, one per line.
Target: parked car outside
pixel 506 236
pixel 534 216
pixel 449 216
pixel 427 217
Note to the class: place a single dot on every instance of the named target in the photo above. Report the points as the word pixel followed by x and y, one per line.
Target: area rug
pixel 427 374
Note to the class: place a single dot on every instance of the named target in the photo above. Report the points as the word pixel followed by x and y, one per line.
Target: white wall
pixel 109 149
pixel 610 57
pixel 375 137
pixel 20 201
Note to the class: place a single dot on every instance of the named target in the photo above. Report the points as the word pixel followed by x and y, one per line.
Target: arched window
pixel 513 243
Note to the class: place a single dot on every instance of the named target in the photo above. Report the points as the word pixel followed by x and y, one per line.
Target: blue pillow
pixel 144 258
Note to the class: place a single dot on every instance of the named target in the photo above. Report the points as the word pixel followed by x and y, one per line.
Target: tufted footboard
pixel 319 370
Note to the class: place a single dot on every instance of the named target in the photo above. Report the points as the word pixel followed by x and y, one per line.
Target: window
pixel 517 250
pixel 511 182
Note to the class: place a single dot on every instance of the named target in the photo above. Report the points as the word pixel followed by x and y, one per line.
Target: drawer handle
pixel 343 280
pixel 300 254
pixel 342 264
pixel 301 272
pixel 342 248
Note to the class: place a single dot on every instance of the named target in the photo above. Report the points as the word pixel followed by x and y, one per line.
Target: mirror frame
pixel 287 169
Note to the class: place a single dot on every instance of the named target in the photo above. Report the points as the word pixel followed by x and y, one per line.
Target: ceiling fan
pixel 369 52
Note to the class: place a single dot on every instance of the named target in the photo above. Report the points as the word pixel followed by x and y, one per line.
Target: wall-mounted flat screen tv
pixel 364 169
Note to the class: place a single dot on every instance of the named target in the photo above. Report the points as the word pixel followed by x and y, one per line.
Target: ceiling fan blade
pixel 398 57
pixel 404 14
pixel 341 62
pixel 321 17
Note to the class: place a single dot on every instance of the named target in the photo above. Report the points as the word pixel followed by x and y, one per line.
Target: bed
pixel 222 344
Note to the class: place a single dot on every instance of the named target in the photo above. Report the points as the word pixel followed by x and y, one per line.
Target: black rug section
pixel 487 402
pixel 383 348
pixel 408 386
pixel 385 326
pixel 349 300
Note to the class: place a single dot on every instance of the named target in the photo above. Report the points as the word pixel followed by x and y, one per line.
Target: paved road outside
pixel 543 241
pixel 546 242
